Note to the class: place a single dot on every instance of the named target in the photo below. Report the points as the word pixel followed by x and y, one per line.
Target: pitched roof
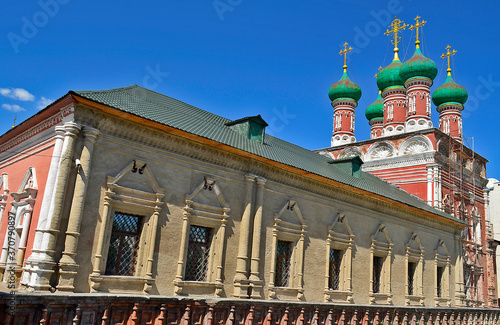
pixel 159 108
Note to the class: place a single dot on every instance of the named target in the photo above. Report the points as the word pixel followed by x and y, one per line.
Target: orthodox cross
pixel 416 26
pixel 345 51
pixel 14 123
pixel 448 54
pixel 396 27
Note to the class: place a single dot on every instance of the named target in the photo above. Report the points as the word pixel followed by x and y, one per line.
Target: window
pixel 127 236
pixel 442 276
pixel 380 267
pixel 283 263
pixel 411 277
pixel 200 265
pixel 439 280
pixel 334 275
pixel 287 260
pixel 339 242
pixel 124 243
pixel 377 273
pixel 414 272
pixel 198 254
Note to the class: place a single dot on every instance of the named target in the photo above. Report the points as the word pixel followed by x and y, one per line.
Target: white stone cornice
pixel 40 127
pixel 399 161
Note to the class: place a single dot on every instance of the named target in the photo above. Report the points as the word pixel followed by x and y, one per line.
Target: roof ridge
pixel 107 90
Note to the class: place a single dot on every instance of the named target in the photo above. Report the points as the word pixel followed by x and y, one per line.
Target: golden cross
pixel 379 69
pixel 448 54
pixel 14 123
pixel 416 26
pixel 396 27
pixel 345 51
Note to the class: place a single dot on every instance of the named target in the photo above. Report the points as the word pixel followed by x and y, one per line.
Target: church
pixel 126 206
pixel 435 164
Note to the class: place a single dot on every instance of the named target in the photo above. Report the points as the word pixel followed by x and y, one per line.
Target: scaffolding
pixel 460 201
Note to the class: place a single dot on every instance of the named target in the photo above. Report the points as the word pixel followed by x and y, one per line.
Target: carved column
pixel 240 279
pixel 255 280
pixel 105 224
pixel 30 277
pixel 183 252
pixel 46 262
pixel 68 263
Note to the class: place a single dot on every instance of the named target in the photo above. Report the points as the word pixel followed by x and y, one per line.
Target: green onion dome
pixel 376 109
pixel 418 66
pixel 344 88
pixel 390 76
pixel 449 92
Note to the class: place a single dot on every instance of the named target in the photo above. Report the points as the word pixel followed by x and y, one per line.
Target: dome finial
pixel 396 27
pixel 448 54
pixel 345 51
pixel 416 26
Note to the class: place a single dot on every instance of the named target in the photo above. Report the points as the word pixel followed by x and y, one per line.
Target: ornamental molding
pixel 394 91
pixel 51 121
pixel 113 129
pixel 399 161
pixel 380 150
pixel 418 82
pixel 351 152
pixel 344 102
pixel 415 145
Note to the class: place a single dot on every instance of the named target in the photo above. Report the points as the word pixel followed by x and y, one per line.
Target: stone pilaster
pixel 255 279
pixel 45 262
pixel 30 277
pixel 240 279
pixel 67 264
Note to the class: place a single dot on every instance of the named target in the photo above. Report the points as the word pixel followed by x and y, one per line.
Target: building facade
pixel 121 195
pixel 436 165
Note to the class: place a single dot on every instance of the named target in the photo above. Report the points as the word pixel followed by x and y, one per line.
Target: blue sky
pixel 238 58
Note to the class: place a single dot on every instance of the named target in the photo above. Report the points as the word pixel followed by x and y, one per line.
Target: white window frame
pixel 209 216
pixel 295 233
pixel 342 241
pixel 415 254
pixel 129 200
pixel 442 259
pixel 381 246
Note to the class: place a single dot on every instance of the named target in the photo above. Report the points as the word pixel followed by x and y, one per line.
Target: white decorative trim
pixel 42 126
pixel 340 239
pixel 295 233
pixel 399 161
pixel 415 145
pixel 210 216
pixel 380 150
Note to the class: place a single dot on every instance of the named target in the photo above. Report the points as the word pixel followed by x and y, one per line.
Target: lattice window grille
pixel 411 277
pixel 283 263
pixel 377 273
pixel 124 244
pixel 198 254
pixel 334 276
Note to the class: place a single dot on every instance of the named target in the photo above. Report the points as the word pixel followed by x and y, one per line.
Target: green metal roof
pixel 159 108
